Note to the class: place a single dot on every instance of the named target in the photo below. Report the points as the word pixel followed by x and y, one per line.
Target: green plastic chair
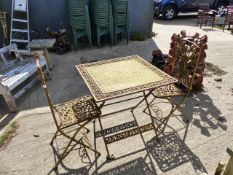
pixel 120 18
pixel 102 19
pixel 79 20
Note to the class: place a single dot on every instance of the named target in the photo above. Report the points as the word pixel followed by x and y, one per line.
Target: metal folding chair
pixel 79 20
pixel 205 15
pixel 102 19
pixel 120 18
pixel 70 116
pixel 229 17
pixel 186 57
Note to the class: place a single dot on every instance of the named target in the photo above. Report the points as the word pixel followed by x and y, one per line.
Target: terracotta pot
pixel 169 59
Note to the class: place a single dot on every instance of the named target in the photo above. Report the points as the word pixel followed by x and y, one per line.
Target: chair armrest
pixel 214 12
pixel 200 11
pixel 32 53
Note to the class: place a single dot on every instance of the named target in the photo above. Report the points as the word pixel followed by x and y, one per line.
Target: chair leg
pixel 63 155
pixel 142 100
pixel 81 143
pixel 89 39
pixel 111 38
pixel 127 35
pixel 72 139
pixel 178 107
pixel 115 35
pixel 55 135
pixel 88 130
pixel 66 152
pixel 224 25
pixel 213 22
pixel 98 37
pixel 9 99
pixel 75 39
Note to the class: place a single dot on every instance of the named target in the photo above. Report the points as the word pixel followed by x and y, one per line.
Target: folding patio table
pixel 114 78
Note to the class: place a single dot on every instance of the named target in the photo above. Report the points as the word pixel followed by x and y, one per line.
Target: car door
pixel 210 2
pixel 189 5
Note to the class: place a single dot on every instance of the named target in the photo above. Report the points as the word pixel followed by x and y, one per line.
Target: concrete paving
pixel 194 149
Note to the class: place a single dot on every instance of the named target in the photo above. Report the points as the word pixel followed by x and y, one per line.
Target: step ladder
pixel 20 25
pixel 3 24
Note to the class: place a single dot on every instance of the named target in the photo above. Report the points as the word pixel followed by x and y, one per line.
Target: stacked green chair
pixel 102 19
pixel 79 20
pixel 120 18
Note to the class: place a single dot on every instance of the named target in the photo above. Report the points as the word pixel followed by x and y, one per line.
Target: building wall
pixel 50 13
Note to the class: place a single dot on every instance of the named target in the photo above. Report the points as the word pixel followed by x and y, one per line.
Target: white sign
pixel 20 5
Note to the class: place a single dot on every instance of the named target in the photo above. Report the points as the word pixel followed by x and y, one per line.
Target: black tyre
pixel 169 12
pixel 221 8
pixel 156 15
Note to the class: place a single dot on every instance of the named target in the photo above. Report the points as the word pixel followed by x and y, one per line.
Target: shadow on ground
pixel 169 152
pixel 184 20
pixel 204 114
pixel 200 110
pixel 134 167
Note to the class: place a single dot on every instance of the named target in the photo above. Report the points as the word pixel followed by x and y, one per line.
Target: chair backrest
pixel 40 72
pixel 120 6
pixel 229 14
pixel 230 7
pixel 187 56
pixel 205 7
pixel 101 12
pixel 7 49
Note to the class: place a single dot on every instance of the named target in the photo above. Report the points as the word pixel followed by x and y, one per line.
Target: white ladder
pixel 20 25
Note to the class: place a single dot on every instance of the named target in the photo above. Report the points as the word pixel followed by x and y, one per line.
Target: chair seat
pixel 78 110
pixel 170 90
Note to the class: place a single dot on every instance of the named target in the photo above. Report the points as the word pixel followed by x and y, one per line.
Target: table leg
pixel 102 132
pixel 147 95
pixel 150 114
pixel 48 60
pixel 106 146
pixel 10 101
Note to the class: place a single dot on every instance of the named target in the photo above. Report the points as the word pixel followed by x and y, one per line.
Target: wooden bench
pixel 17 75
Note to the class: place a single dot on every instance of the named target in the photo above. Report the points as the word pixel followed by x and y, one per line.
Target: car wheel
pixel 156 15
pixel 169 12
pixel 221 9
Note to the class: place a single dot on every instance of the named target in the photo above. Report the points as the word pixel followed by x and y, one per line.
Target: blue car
pixel 170 8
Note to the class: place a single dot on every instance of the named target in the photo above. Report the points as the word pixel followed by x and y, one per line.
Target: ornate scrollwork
pixel 77 110
pixel 129 133
pixel 99 95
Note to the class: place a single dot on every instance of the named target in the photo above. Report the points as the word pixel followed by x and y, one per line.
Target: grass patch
pixel 211 69
pixel 9 133
pixel 220 27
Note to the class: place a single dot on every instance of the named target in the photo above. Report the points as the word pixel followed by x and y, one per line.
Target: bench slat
pixel 28 86
pixel 13 81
